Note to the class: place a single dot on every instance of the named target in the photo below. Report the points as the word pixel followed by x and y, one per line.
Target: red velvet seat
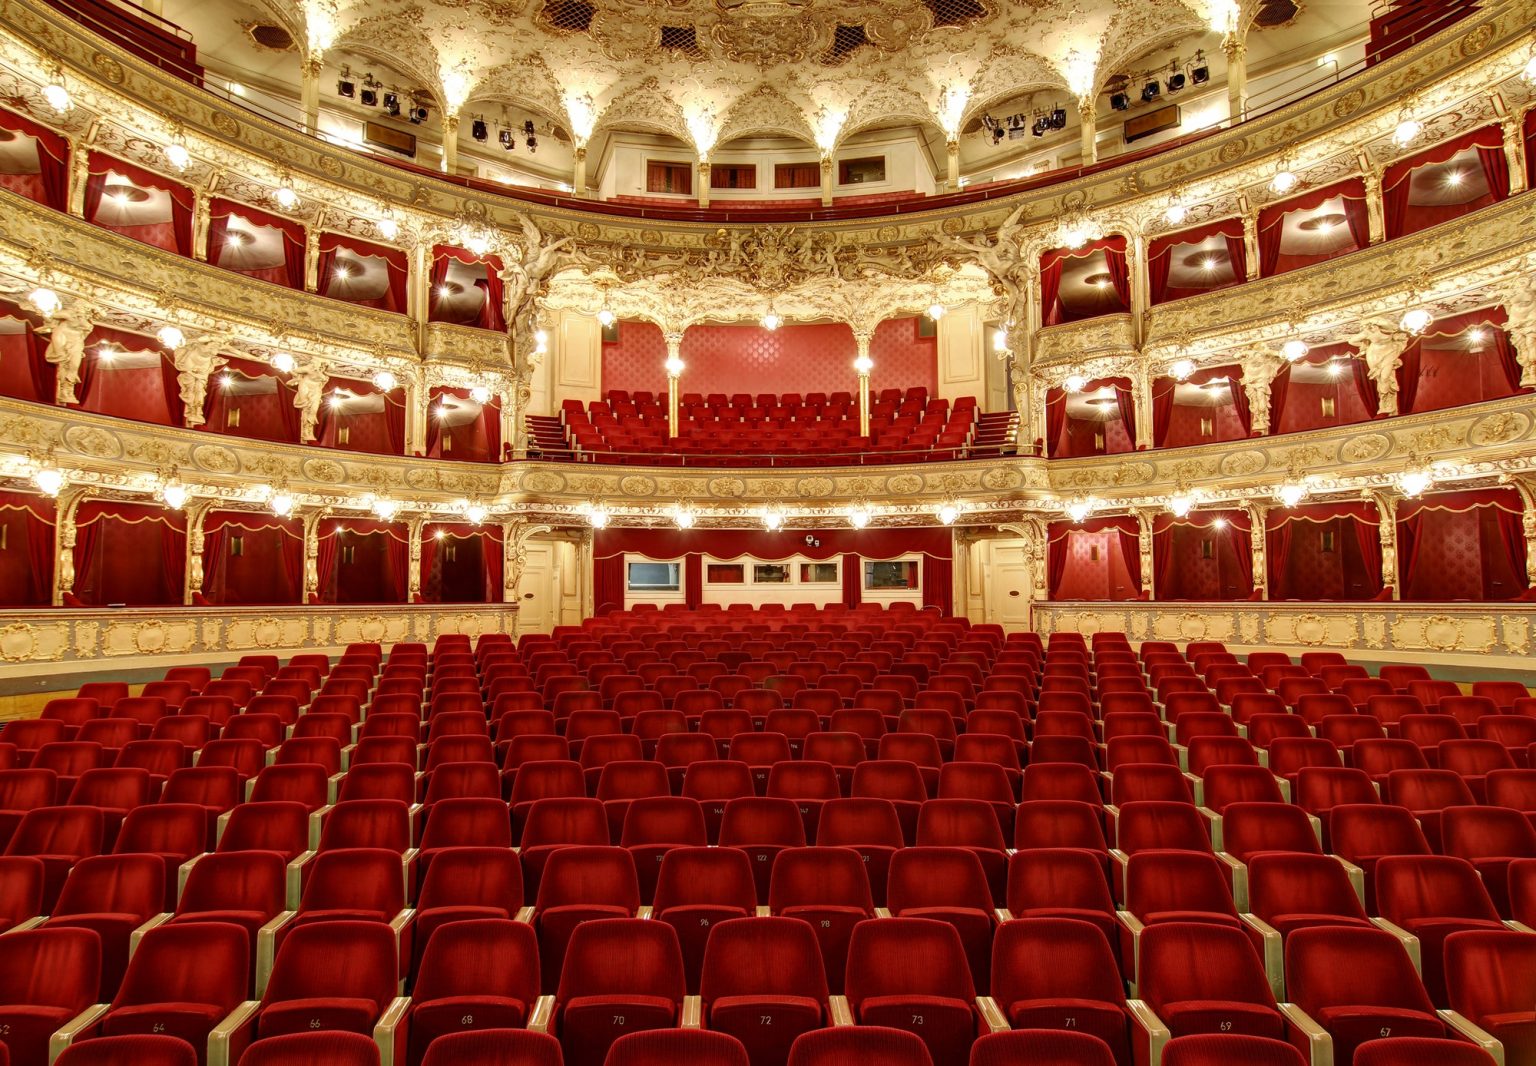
pixel 763 983
pixel 478 974
pixel 620 976
pixel 1060 974
pixel 912 974
pixel 47 976
pixel 337 975
pixel 183 979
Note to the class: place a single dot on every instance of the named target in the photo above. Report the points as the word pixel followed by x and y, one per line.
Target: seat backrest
pixel 907 957
pixel 1185 961
pixel 1289 883
pixel 1409 887
pixel 58 968
pixel 1219 1049
pixel 865 1045
pixel 704 876
pixel 188 962
pixel 1490 971
pixel 622 956
pixel 349 959
pixel 235 881
pixel 1251 827
pixel 1337 966
pixel 948 877
pixel 315 1049
pixel 763 957
pixel 1161 881
pixel 1053 958
pixel 832 876
pixel 480 957
pixel 591 874
pixel 355 879
pixel 1164 824
pixel 1361 830
pixel 664 1047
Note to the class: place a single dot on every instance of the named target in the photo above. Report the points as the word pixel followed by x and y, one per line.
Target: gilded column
pixel 827 170
pixel 1144 544
pixel 201 211
pixel 1235 45
pixel 1258 515
pixel 579 170
pixel 1141 399
pixel 952 159
pixel 309 92
pixel 1514 152
pixel 863 364
pixel 512 551
pixel 450 144
pixel 312 556
pixel 195 543
pixel 1375 210
pixel 413 559
pixel 1386 532
pixel 311 259
pixel 1526 486
pixel 79 175
pixel 586 562
pixel 1040 415
pixel 674 368
pixel 418 280
pixel 1088 119
pixel 1251 244
pixel 1141 292
pixel 416 395
pixel 64 533
pixel 702 183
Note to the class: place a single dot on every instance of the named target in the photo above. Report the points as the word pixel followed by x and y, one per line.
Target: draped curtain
pixel 1160 253
pixel 1432 564
pixel 1165 391
pixel 1272 225
pixel 1052 262
pixel 50 185
pixel 490 316
pixel 395 266
pixel 262 415
pixel 333 536
pixel 26 561
pixel 1397 184
pixel 1128 536
pixel 1233 548
pixel 149 394
pixel 1353 393
pixel 291 273
pixel 182 201
pixel 476 441
pixel 1528 134
pixel 25 372
pixel 380 432
pixel 489 541
pixel 1461 372
pixel 1280 533
pixel 116 562
pixel 1055 420
pixel 252 578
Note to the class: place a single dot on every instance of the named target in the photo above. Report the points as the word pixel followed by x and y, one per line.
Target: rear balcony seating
pixel 787 429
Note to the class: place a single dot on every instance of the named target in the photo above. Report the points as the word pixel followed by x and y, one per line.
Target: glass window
pixel 860 171
pixel 897 575
pixel 726 574
pixel 818 573
pixel 770 573
pixel 654 577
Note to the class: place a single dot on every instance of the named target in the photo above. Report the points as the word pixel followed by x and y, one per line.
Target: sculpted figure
pixel 1001 258
pixel 1520 306
pixel 1382 350
pixel 309 387
pixel 196 361
pixel 66 348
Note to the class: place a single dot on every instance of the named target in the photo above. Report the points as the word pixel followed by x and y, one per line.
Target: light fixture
pixel 598 516
pixel 178 156
pixel 771 319
pixel 335 399
pixel 863 364
pixel 1476 336
pixel 1075 383
pixel 440 411
pixel 683 515
pixel 1530 71
pixel 859 516
pixel 540 341
pixel 1454 179
pixel 1180 506
pixel 479 130
pixel 475 513
pixel 236 89
pixel 1120 102
pixel 57 96
pixel 1220 523
pixel 226 380
pixel 282 362
pixel 286 198
pixel 1000 341
pixel 171 337
pixel 674 366
pixel 1176 214
pixel 773 519
pixel 106 352
pixel 1182 369
pixel 948 513
pixel 174 493
pixel 1078 230
pixel 1407 130
pixel 1416 320
pixel 936 309
pixel 48 479
pixel 481 394
pixel 385 507
pixel 1078 510
pixel 1291 493
pixel 45 300
pixel 1151 91
pixel 392 104
pixel 1414 482
pixel 345 86
pixel 281 503
pixel 605 315
pixel 1335 368
pixel 1283 182
pixel 1294 350
pixel 388 228
pixel 385 381
pixel 440 534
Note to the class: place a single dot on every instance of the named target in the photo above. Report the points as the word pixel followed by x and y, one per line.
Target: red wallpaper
pixel 1313 574
pixel 1191 576
pixel 799 358
pixel 1452 551
pixel 1184 425
pixel 1087 578
pixel 1451 377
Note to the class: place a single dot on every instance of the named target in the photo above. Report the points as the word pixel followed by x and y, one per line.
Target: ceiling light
pixel 281 503
pixel 479 130
pixel 481 394
pixel 771 320
pixel 1200 75
pixel 1075 383
pixel 1454 178
pixel 948 513
pixel 57 97
pixel 606 317
pixel 1176 214
pixel 385 381
pixel 1151 91
pixel 540 341
pixel 286 198
pixel 1476 336
pixel 1416 320
pixel 598 516
pixel 1283 182
pixel 1406 131
pixel 936 310
pixel 1177 82
pixel 388 228
pixel 859 516
pixel 773 519
pixel 1335 368
pixel 1182 369
pixel 178 156
pixel 226 380
pixel 683 516
pixel 1180 506
pixel 385 507
pixel 171 337
pixel 1414 482
pixel 45 300
pixel 417 115
pixel 1120 102
pixel 1000 341
pixel 1530 71
pixel 1294 349
pixel 282 362
pixel 475 512
pixel 1076 232
pixel 1291 494
pixel 440 412
pixel 49 480
pixel 1078 510
pixel 674 366
pixel 335 399
pixel 1220 523
pixel 106 353
pixel 175 494
pixel 392 104
pixel 863 364
pixel 346 87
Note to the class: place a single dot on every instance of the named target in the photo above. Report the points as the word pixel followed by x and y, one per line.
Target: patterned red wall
pixel 1453 549
pixel 1104 578
pixel 747 358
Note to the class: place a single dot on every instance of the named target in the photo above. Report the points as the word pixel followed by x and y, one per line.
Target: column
pixel 1251 244
pixel 579 171
pixel 1514 153
pixel 1088 120
pixel 511 571
pixel 1148 564
pixel 585 563
pixel 674 368
pixel 418 282
pixel 1235 45
pixel 79 175
pixel 413 560
pixel 1141 291
pixel 450 144
pixel 200 224
pixel 701 182
pixel 1528 525
pixel 416 394
pixel 828 168
pixel 64 543
pixel 1039 418
pixel 309 92
pixel 312 555
pixel 1141 396
pixel 863 364
pixel 952 155
pixel 1258 514
pixel 1386 506
pixel 311 260
pixel 195 541
pixel 1374 209
pixel 507 403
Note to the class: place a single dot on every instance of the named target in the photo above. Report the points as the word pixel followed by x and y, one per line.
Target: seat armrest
pixel 543 1014
pixel 992 1015
pixel 882 912
pixel 1238 875
pixel 1305 1034
pixel 316 824
pixel 763 912
pixel 525 915
pixel 229 1038
pixel 389 1032
pixel 1131 928
pixel 1274 952
pixel 1148 1034
pixel 1181 750
pixel 1356 877
pixel 1002 914
pixel 30 923
pixel 138 934
pixel 1519 927
pixel 839 1010
pixel 1410 942
pixel 222 820
pixel 296 878
pixel 1196 786
pixel 645 912
pixel 1316 822
pixel 693 1013
pixel 266 948
pixel 1463 1027
pixel 333 785
pixel 408 870
pixel 184 871
pixel 1118 860
pixel 77 1027
pixel 404 927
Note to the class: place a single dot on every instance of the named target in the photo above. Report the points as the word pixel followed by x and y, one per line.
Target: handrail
pixel 748 460
pixel 733 210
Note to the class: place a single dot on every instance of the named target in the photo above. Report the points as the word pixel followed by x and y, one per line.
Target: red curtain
pixel 377 570
pixel 144 394
pixel 270 566
pixel 490 316
pixel 25 372
pixel 1436 374
pixel 1403 218
pixel 1301 567
pixel 1272 225
pixel 1127 540
pixel 26 552
pixel 1528 133
pixel 1051 264
pixel 608 584
pixel 395 266
pixel 1164 391
pixel 449 584
pixel 50 185
pixel 938 583
pixel 475 441
pixel 1466 545
pixel 291 273
pixel 261 415
pixel 1295 406
pixel 693 579
pixel 379 432
pixel 129 553
pixel 1161 250
pixel 1050 284
pixel 853 581
pixel 178 238
pixel 1184 572
pixel 1055 421
pixel 1125 400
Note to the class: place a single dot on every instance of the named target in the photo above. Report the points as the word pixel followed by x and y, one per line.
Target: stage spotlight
pixel 370 98
pixel 1200 75
pixel 418 115
pixel 1039 128
pixel 998 133
pixel 505 137
pixel 479 130
pixel 392 104
pixel 532 144
pixel 1176 82
pixel 1151 91
pixel 528 130
pixel 346 87
pixel 1120 102
pixel 1059 119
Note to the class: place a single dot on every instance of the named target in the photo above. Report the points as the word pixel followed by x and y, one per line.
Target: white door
pixel 1010 587
pixel 536 598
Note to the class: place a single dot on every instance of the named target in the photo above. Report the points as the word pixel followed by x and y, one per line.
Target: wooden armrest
pixel 1464 1027
pixel 333 783
pixel 645 912
pixel 266 947
pixel 79 1024
pixel 543 1014
pixel 30 923
pixel 525 915
pixel 1238 874
pixel 693 1012
pixel 1131 928
pixel 1274 952
pixel 1356 877
pixel 296 878
pixel 992 1015
pixel 1300 1024
pixel 882 912
pixel 229 1032
pixel 1148 1051
pixel 316 823
pixel 138 934
pixel 839 1010
pixel 389 1032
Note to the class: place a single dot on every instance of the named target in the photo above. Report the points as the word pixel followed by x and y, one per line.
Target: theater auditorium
pixel 767 533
